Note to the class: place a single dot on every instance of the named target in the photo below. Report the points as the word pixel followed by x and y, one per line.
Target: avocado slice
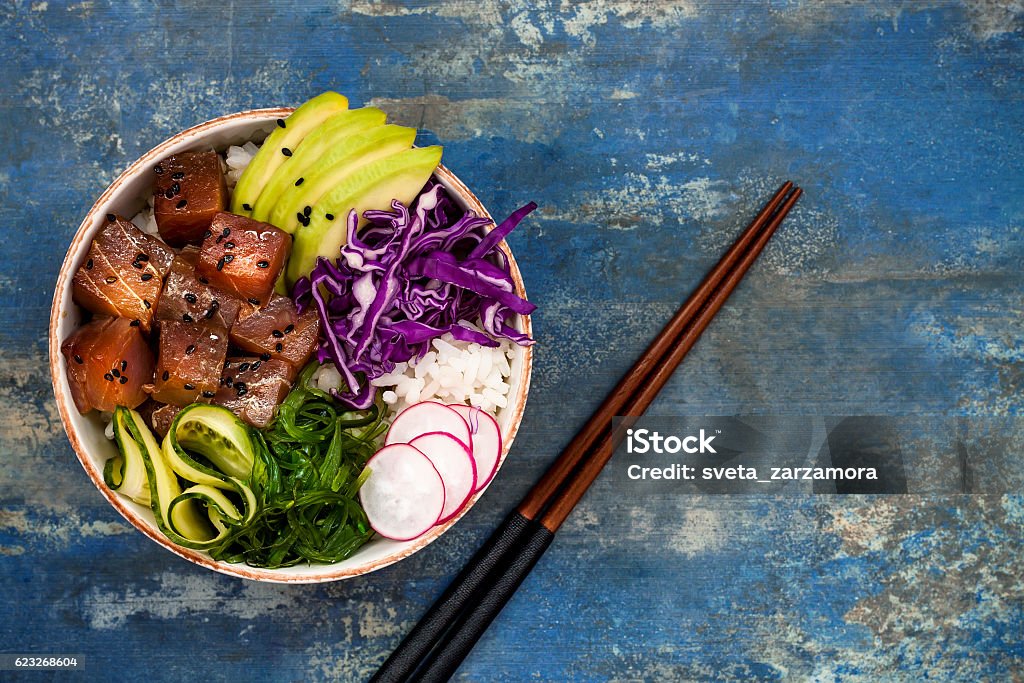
pixel 400 176
pixel 336 165
pixel 329 133
pixel 279 145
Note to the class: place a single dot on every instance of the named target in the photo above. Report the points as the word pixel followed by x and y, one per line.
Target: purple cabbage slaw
pixel 407 278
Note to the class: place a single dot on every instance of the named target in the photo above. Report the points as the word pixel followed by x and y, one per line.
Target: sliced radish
pixel 486 444
pixel 456 466
pixel 404 495
pixel 427 417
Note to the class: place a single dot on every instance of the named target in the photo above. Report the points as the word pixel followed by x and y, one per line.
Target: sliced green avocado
pixel 331 132
pixel 336 165
pixel 279 145
pixel 400 176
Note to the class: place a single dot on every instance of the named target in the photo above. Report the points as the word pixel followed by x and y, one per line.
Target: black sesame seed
pixel 289 329
pixel 278 334
pixel 285 151
pixel 207 234
pixel 146 277
pixel 308 210
pixel 256 365
pixel 228 258
pixel 88 264
pixel 168 195
pixel 264 356
pixel 229 245
pixel 243 367
pixel 190 349
pixel 177 176
pixel 190 297
pixel 247 207
pixel 189 386
pixel 123 380
pixel 220 263
pixel 329 216
pixel 263 264
pixel 280 123
pixel 182 204
pixel 107 376
pixel 115 372
pixel 254 302
pixel 142 257
pixel 208 394
pixel 124 365
pixel 175 188
pixel 166 375
pixel 78 359
pixel 225 232
pixel 158 169
pixel 278 346
pixel 135 323
pixel 214 305
pixel 242 389
pixel 299 215
pixel 111 217
pixel 186 317
pixel 111 280
pixel 145 302
pixel 204 280
pixel 137 266
pixel 299 182
pixel 228 381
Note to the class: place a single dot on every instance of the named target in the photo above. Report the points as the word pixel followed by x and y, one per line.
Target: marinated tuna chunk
pixel 159 416
pixel 243 256
pixel 189 362
pixel 187 299
pixel 189 190
pixel 123 273
pixel 108 363
pixel 252 388
pixel 278 331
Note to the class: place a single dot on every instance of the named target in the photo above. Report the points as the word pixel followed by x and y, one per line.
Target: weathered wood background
pixel 647 131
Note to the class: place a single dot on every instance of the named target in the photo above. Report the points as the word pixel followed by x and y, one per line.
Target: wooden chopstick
pixel 437 645
pixel 561 506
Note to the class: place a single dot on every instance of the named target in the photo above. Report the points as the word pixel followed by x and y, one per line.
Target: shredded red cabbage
pixel 407 278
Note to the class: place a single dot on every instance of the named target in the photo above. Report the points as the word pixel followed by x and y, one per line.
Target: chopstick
pixel 437 645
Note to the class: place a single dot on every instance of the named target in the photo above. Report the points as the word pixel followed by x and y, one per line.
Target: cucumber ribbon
pixel 220 487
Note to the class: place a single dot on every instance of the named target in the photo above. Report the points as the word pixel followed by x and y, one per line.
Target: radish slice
pixel 427 417
pixel 404 495
pixel 486 444
pixel 455 464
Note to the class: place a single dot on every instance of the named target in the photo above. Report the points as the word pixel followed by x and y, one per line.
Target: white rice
pixel 452 372
pixel 237 159
pixel 234 161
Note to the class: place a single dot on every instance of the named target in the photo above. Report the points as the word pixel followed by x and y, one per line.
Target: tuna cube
pixel 123 273
pixel 189 190
pixel 159 416
pixel 108 363
pixel 243 257
pixel 278 331
pixel 189 362
pixel 252 388
pixel 187 298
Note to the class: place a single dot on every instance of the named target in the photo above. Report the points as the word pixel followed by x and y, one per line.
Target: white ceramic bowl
pixel 127 196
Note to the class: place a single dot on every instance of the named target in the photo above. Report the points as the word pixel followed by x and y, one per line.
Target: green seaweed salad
pixel 272 497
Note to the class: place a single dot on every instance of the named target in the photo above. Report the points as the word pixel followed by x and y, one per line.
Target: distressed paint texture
pixel 646 131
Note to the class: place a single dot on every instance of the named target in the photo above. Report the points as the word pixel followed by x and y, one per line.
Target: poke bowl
pixel 89 431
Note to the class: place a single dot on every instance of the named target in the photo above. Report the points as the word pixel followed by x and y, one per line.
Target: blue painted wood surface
pixel 647 132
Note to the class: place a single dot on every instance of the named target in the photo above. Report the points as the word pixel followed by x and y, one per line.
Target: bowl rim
pixel 65 405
